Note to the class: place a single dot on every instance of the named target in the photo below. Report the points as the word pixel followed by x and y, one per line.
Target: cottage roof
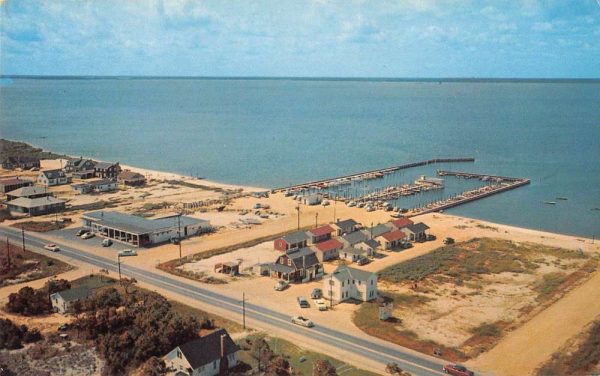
pixel 329 245
pixel 402 222
pixel 344 272
pixel 104 165
pixel 101 182
pixel 353 251
pixel 207 349
pixel 280 268
pixel 346 223
pixel 394 235
pixel 13 181
pixel 417 227
pixel 303 256
pixel 136 224
pixel 26 202
pixel 54 174
pixel 378 230
pixel 76 293
pixel 355 237
pixel 28 191
pixel 129 175
pixel 372 243
pixel 295 237
pixel 320 231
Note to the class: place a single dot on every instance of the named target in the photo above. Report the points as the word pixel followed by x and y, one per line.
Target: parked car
pixel 431 237
pixel 302 302
pixel 87 235
pixel 321 305
pixel 407 245
pixel 316 293
pixel 174 240
pixel 127 252
pixel 302 321
pixel 325 203
pixel 362 261
pixel 457 370
pixel 52 247
pixel 281 285
pixel 107 242
pixel 448 241
pixel 81 232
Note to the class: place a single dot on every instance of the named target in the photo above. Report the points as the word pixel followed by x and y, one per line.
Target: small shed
pixel 231 268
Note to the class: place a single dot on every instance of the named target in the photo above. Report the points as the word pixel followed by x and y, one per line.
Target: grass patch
pixel 476 257
pixel 293 354
pixel 487 330
pixel 40 226
pixel 27 266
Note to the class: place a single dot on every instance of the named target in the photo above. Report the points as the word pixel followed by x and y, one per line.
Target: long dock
pixel 503 184
pixel 320 183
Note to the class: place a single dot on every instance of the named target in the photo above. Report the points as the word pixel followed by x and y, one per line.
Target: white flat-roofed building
pixel 142 232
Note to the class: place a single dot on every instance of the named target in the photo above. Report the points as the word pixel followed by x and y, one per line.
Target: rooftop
pixel 394 235
pixel 29 203
pixel 418 227
pixel 345 272
pixel 54 174
pixel 402 222
pixel 136 224
pixel 295 237
pixel 353 251
pixel 76 293
pixel 378 230
pixel 346 223
pixel 356 237
pixel 13 181
pixel 28 191
pixel 207 349
pixel 320 231
pixel 329 245
pixel 130 175
pixel 104 165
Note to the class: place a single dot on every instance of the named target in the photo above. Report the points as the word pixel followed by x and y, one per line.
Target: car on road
pixel 52 247
pixel 457 370
pixel 87 235
pixel 316 293
pixel 81 232
pixel 302 321
pixel 302 302
pixel 321 305
pixel 127 252
pixel 107 242
pixel 281 285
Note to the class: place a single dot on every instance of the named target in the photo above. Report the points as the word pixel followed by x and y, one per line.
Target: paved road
pixel 407 360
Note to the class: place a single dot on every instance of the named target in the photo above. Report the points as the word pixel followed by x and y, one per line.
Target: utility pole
pixel 316 220
pixel 179 235
pixel 334 202
pixel 119 262
pixel 8 252
pixel 23 236
pixel 331 291
pixel 298 209
pixel 244 310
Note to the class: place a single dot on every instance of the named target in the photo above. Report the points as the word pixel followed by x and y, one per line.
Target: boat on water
pixel 562 198
pixel 550 202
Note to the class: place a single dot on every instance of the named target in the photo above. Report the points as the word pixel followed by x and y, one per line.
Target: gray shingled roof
pixel 345 272
pixel 346 223
pixel 378 230
pixel 104 165
pixel 76 293
pixel 54 174
pixel 29 203
pixel 418 227
pixel 136 224
pixel 372 243
pixel 294 238
pixel 353 251
pixel 28 191
pixel 280 268
pixel 303 256
pixel 207 349
pixel 355 237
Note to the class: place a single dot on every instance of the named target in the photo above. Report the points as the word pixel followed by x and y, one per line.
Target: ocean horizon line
pixel 310 78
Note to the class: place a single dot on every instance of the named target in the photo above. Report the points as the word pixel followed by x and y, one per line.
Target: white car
pixel 87 235
pixel 52 247
pixel 321 305
pixel 302 321
pixel 127 252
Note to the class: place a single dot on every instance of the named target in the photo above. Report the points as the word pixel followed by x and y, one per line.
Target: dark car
pixel 302 302
pixel 431 237
pixel 316 294
pixel 457 370
pixel 81 232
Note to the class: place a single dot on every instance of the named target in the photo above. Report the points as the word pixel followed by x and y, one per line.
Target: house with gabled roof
pixel 10 184
pixel 131 178
pixel 416 232
pixel 319 234
pixel 50 178
pixel 392 239
pixel 376 231
pixel 328 250
pixel 209 355
pixel 62 300
pixel 370 246
pixel 79 164
pixel 23 162
pixel 107 170
pixel 352 254
pixel 401 223
pixel 28 192
pixel 291 241
pixel 345 227
pixel 350 283
pixel 35 206
pixel 355 237
pixel 298 265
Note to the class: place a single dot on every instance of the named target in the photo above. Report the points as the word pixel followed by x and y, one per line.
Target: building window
pixel 215 364
pixel 342 283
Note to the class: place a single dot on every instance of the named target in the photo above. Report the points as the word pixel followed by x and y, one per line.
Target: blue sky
pixel 410 38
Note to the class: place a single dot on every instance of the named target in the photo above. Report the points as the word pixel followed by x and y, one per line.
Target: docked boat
pixel 550 202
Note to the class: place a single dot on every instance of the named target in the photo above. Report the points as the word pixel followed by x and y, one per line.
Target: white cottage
pixel 210 355
pixel 349 283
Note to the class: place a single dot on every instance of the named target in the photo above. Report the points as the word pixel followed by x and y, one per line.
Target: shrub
pixel 28 302
pixel 487 330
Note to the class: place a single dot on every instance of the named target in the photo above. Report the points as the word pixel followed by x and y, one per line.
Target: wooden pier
pixel 363 175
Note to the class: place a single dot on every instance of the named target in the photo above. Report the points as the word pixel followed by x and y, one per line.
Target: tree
pixel 278 366
pixel 4 371
pixel 153 367
pixel 261 351
pixel 323 368
pixel 28 302
pixel 127 283
pixel 56 285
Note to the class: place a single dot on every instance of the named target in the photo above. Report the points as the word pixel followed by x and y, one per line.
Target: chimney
pixel 222 346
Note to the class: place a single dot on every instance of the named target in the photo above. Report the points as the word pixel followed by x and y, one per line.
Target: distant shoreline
pixel 335 79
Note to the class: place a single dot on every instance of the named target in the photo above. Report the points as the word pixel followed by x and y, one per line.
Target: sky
pixel 312 38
